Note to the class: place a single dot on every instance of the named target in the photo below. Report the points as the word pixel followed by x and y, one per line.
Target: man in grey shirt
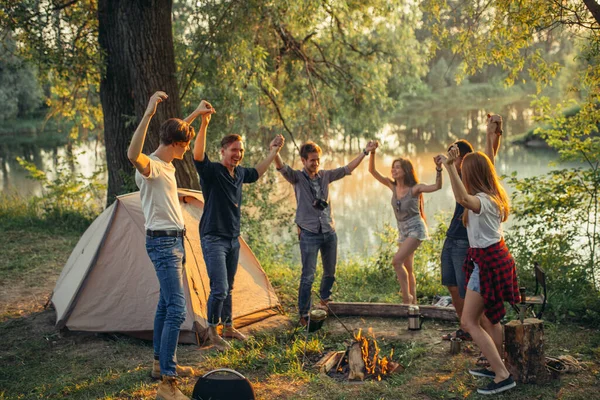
pixel 314 217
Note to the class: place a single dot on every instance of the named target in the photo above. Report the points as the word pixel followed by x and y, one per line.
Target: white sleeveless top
pixel 484 229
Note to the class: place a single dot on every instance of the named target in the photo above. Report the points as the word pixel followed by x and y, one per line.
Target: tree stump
pixel 524 346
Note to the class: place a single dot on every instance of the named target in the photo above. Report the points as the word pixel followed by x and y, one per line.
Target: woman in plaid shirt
pixel 490 268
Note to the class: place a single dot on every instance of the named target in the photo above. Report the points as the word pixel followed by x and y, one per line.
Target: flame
pixel 374 364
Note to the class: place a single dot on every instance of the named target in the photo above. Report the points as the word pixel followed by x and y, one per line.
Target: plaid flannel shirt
pixel 497 276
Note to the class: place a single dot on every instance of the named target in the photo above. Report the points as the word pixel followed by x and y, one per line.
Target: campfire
pixel 361 360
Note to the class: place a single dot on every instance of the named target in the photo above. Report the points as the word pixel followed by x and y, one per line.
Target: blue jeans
pixel 221 255
pixel 454 254
pixel 168 256
pixel 310 244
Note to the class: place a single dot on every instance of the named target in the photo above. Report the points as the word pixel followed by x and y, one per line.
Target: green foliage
pixel 69 199
pixel 558 225
pixel 306 67
pixel 267 224
pixel 20 95
pixel 513 35
pixel 62 42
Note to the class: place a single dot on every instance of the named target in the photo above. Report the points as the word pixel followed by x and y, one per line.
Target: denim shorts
pixel 413 227
pixel 453 257
pixel 474 280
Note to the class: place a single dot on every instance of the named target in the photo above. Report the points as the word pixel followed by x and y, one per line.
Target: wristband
pixel 365 152
pixel 438 169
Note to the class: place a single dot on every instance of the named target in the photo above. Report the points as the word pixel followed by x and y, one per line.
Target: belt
pixel 169 233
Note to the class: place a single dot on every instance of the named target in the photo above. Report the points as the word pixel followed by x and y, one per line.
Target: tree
pixel 305 68
pixel 137 42
pixel 20 93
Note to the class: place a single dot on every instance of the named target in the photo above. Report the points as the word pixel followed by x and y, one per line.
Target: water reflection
pixel 85 158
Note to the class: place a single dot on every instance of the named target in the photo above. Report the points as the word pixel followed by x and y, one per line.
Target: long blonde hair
pixel 410 179
pixel 479 176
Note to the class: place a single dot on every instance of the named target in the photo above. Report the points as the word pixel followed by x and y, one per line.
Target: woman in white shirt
pixel 489 266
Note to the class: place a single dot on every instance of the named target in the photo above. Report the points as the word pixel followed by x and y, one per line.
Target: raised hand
pixel 438 160
pixel 494 124
pixel 155 99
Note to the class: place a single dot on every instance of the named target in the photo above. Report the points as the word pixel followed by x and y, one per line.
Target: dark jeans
pixel 168 256
pixel 454 253
pixel 221 255
pixel 310 244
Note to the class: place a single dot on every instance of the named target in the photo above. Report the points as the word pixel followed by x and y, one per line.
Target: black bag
pixel 223 384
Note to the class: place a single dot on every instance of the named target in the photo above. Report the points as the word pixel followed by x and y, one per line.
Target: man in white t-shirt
pixel 155 176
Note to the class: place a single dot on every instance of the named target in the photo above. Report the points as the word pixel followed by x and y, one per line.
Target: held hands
pixel 155 99
pixel 438 160
pixel 494 124
pixel 206 110
pixel 277 143
pixel 453 154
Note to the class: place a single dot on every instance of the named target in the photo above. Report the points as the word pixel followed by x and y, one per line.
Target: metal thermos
pixel 414 318
pixel 455 345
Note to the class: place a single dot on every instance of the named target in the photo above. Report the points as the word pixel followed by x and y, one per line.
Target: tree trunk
pixel 524 346
pixel 594 8
pixel 137 39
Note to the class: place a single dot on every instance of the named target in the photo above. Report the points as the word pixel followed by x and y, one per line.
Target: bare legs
pixel 488 337
pixel 403 265
pixel 457 301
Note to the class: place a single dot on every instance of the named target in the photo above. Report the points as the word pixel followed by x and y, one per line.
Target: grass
pixel 39 362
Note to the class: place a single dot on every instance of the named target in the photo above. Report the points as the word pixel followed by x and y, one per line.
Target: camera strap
pixel 312 188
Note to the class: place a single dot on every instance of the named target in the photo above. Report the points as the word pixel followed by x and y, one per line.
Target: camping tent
pixel 109 284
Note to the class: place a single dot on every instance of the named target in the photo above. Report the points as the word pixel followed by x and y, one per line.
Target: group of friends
pixel 477 267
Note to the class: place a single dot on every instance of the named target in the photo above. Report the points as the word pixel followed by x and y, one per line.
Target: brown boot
pixel 181 371
pixel 167 390
pixel 323 305
pixel 215 340
pixel 231 333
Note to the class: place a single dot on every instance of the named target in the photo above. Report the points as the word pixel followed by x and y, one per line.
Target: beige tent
pixel 109 283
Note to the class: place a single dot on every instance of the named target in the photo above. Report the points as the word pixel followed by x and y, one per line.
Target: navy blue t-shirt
pixel 222 197
pixel 457 230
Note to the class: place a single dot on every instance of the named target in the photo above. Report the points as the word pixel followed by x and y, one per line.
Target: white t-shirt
pixel 484 229
pixel 158 192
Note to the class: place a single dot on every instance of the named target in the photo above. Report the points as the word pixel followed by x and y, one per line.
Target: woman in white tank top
pixel 489 266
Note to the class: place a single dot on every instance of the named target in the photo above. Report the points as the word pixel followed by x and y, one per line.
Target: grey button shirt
pixel 308 217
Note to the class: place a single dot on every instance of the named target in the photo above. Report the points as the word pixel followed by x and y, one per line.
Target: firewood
pixel 329 360
pixel 355 360
pixel 395 367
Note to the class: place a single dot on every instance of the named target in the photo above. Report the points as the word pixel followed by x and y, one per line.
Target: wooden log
pixel 524 347
pixel 390 310
pixel 329 360
pixel 356 363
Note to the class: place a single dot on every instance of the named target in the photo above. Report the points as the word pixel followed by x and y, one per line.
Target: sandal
pixel 482 362
pixel 459 333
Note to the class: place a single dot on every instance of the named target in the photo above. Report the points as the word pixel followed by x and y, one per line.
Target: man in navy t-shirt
pixel 220 224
